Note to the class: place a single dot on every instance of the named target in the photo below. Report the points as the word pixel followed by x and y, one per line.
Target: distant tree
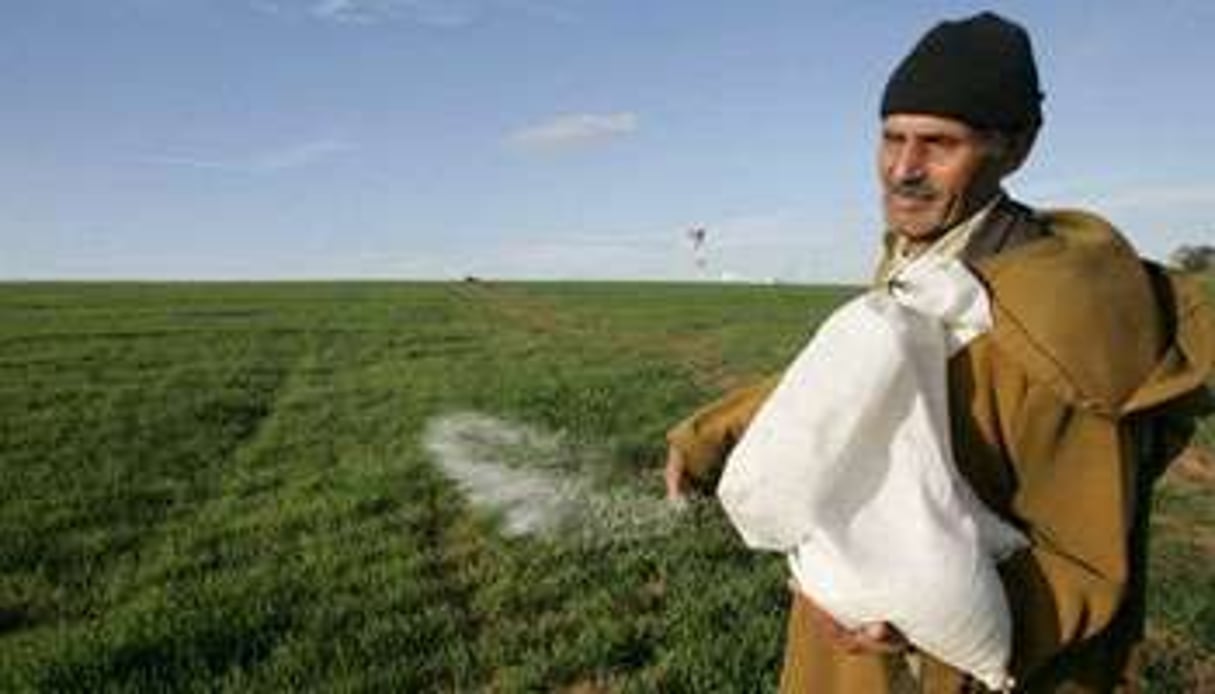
pixel 1193 258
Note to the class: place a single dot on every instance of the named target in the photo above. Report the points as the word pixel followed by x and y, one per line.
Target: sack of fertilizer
pixel 848 468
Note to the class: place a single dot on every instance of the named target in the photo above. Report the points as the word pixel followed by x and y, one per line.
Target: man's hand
pixel 676 474
pixel 873 637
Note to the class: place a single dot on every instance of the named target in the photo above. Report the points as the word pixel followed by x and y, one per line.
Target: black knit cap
pixel 979 70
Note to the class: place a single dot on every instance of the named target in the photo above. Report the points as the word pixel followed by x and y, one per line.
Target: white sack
pixel 848 468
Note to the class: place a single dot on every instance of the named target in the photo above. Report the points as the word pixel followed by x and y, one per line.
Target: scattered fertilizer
pixel 537 482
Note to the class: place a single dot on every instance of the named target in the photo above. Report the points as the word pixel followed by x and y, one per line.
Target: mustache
pixel 915 189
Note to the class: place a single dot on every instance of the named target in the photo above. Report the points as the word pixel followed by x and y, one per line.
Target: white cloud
pixel 1124 195
pixel 443 14
pixel 556 259
pixel 435 13
pixel 559 11
pixel 295 156
pixel 352 11
pixel 266 162
pixel 339 10
pixel 267 7
pixel 1153 197
pixel 573 130
pixel 188 162
pixel 1157 216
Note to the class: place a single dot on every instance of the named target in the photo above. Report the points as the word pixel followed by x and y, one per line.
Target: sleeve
pixel 1075 492
pixel 707 435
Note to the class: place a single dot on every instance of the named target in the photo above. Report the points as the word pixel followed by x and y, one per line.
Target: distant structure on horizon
pixel 697 235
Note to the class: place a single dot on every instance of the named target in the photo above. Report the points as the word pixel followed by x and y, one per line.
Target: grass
pixel 220 487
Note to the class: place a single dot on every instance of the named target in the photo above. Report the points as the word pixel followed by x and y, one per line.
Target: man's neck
pixel 912 247
pixel 901 251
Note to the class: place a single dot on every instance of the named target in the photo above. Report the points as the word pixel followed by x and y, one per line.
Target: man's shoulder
pixel 1071 247
pixel 1077 308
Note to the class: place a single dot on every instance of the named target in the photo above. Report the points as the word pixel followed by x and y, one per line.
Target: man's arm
pixel 698 445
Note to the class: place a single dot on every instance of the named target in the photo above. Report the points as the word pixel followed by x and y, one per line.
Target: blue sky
pixel 237 139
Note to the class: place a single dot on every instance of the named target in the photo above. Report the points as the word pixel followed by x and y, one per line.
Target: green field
pixel 222 487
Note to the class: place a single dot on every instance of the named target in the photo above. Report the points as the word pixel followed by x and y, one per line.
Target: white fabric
pixel 848 468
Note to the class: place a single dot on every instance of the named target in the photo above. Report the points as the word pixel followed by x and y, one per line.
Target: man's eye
pixel 942 147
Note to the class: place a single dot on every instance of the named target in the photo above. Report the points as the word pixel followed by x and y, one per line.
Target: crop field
pixel 412 487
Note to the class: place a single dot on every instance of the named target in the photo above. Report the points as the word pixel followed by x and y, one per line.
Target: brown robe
pixel 1062 417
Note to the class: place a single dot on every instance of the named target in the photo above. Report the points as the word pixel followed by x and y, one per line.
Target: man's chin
pixel 915 230
pixel 917 224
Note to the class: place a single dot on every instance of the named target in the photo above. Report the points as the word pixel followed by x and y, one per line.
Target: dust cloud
pixel 539 483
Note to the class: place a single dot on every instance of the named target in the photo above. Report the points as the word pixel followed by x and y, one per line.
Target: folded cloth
pixel 848 468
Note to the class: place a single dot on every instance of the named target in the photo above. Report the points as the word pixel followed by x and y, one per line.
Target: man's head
pixel 959 113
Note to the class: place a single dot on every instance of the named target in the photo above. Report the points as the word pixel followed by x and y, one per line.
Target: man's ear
pixel 1017 147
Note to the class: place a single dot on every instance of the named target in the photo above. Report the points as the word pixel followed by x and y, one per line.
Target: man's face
pixel 935 172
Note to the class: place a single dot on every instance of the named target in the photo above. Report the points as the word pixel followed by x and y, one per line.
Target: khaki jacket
pixel 1062 417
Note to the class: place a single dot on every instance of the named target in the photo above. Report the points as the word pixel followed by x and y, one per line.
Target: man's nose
pixel 909 162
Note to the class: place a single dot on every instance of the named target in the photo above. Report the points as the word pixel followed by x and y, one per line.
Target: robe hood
pixel 1052 311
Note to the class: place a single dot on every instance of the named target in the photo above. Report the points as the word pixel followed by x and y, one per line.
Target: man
pixel 1062 415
